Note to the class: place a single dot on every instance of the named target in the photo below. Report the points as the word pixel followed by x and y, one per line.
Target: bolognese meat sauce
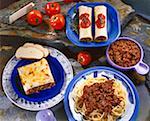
pixel 124 53
pixel 99 96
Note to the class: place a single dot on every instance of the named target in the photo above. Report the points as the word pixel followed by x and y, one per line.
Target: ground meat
pixel 39 88
pixel 124 53
pixel 99 96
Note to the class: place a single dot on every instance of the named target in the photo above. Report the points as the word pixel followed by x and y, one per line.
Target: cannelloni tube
pixel 85 23
pixel 100 23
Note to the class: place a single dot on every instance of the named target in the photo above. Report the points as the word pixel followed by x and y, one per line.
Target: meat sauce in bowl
pixel 124 53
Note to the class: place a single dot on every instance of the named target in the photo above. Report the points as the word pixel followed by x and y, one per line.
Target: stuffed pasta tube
pixel 100 23
pixel 85 23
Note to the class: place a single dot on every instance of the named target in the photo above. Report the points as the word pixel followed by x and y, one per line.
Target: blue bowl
pixel 127 83
pixel 57 72
pixel 113 25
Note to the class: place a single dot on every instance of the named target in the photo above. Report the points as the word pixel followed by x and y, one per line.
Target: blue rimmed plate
pixel 17 97
pixel 57 72
pixel 113 25
pixel 132 107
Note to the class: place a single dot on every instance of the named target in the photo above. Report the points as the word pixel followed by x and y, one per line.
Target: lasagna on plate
pixel 36 77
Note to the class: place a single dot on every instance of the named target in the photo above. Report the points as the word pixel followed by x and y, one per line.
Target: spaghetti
pixel 99 99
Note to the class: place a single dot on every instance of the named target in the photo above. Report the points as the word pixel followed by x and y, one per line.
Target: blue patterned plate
pixel 42 100
pixel 113 25
pixel 132 107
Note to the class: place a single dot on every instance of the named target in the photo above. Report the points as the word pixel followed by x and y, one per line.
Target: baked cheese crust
pixel 34 76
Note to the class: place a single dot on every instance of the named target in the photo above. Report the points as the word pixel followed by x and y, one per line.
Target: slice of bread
pixel 40 47
pixel 28 45
pixel 44 50
pixel 29 53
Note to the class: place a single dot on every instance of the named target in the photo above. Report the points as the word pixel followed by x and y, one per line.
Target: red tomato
pixel 100 23
pixel 34 17
pixel 85 22
pixel 52 8
pixel 84 15
pixel 84 58
pixel 57 21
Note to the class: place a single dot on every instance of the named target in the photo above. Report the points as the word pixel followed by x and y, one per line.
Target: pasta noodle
pixel 96 115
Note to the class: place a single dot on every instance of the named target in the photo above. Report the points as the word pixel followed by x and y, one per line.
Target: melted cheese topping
pixel 35 74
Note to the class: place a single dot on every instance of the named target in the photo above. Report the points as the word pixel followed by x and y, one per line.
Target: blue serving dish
pixel 132 107
pixel 113 25
pixel 57 72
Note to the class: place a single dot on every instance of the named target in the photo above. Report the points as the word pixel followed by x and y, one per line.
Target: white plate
pixel 35 106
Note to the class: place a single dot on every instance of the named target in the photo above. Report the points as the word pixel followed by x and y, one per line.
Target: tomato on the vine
pixel 52 8
pixel 84 58
pixel 34 17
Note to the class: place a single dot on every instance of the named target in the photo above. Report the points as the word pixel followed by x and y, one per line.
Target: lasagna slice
pixel 36 77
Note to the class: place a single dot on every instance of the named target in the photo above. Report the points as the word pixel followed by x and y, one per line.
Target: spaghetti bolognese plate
pixel 101 94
